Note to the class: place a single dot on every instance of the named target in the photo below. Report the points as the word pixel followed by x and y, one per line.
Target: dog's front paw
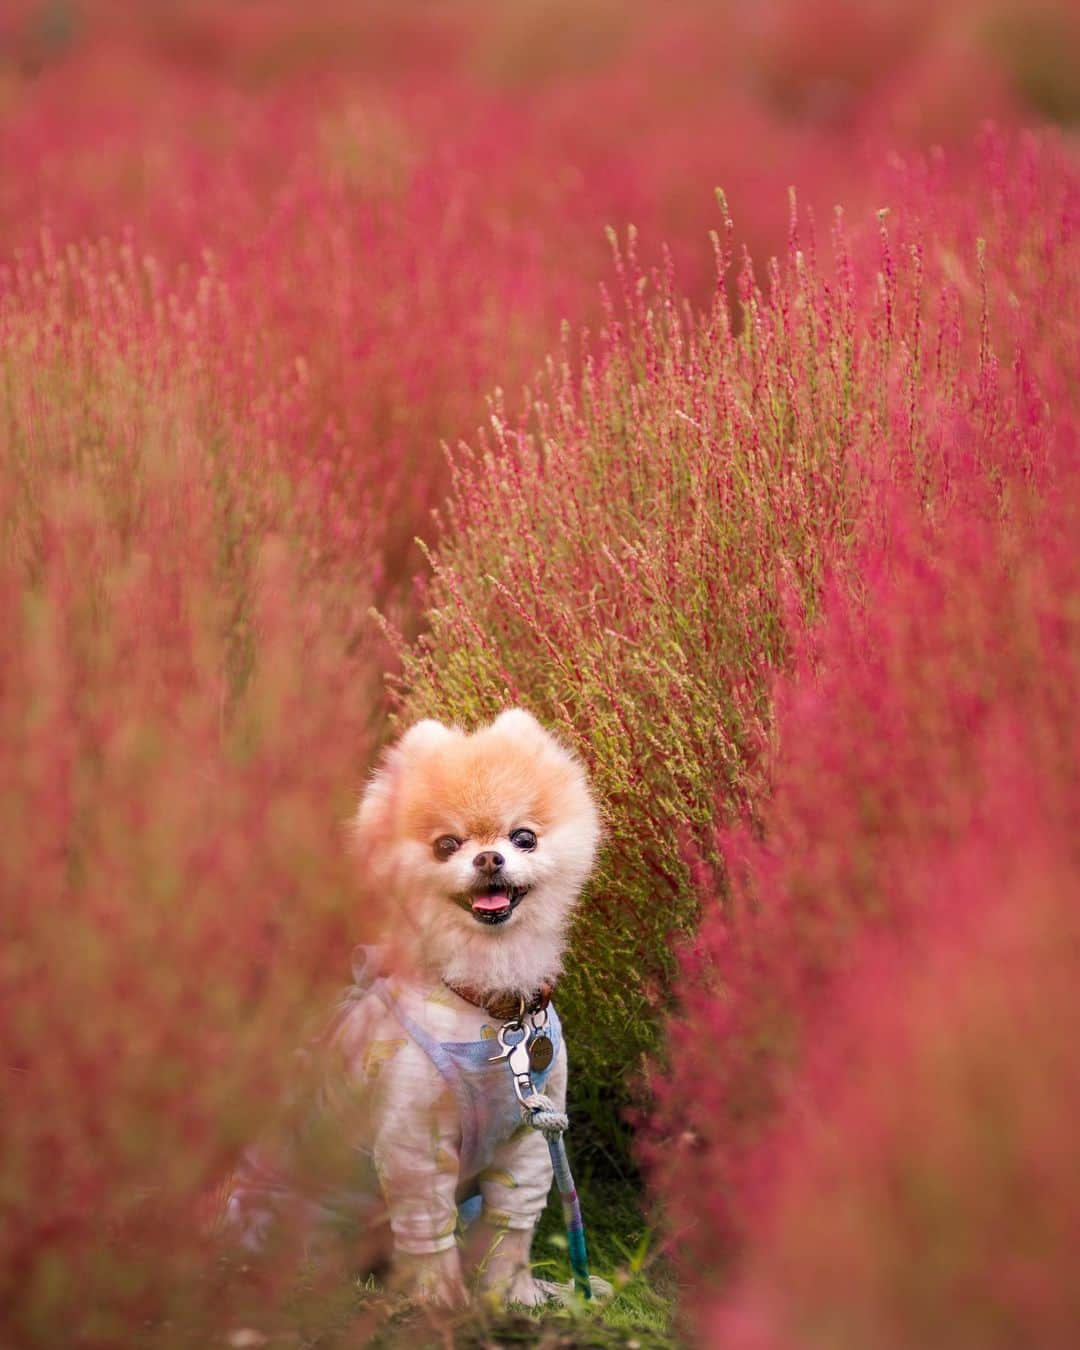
pixel 440 1291
pixel 531 1292
pixel 434 1280
pixel 527 1291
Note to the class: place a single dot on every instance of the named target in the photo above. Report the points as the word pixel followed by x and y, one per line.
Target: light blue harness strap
pixel 487 1105
pixel 444 1063
pixel 471 1069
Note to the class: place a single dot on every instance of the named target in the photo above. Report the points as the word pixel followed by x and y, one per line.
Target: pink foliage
pixel 925 1188
pixel 256 263
pixel 176 894
pixel 925 802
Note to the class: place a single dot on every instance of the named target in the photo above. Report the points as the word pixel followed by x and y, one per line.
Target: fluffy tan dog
pixel 482 843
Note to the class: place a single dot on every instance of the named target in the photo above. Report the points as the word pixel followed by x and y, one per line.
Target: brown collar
pixel 505 1004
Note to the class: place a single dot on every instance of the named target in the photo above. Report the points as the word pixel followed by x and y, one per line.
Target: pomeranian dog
pixel 405 1131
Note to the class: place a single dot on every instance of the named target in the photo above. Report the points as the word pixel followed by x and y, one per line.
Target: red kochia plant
pixel 634 558
pixel 184 724
pixel 926 797
pixel 371 259
pixel 927 1187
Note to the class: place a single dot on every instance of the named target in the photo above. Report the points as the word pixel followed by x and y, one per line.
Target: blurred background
pixel 229 128
pixel 261 261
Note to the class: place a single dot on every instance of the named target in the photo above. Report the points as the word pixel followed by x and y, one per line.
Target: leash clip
pixel 516 1054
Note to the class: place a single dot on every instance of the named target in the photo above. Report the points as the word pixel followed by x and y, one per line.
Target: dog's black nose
pixel 488 862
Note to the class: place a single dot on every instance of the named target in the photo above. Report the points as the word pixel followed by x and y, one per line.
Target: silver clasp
pixel 516 1054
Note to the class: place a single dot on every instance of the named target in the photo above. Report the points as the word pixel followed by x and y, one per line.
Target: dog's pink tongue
pixel 491 904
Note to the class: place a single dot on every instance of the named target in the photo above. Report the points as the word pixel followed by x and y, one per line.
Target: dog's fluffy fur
pixel 477 846
pixel 479 789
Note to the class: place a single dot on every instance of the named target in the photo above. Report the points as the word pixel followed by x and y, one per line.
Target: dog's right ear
pixel 373 813
pixel 372 819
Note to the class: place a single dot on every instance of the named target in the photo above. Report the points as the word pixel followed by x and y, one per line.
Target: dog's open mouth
pixel 494 903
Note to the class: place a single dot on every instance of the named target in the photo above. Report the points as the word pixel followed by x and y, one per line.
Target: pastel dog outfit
pixel 401 1115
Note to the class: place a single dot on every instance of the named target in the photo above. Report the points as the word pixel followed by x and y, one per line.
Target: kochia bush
pixel 632 557
pixel 925 715
pixel 926 1188
pixel 255 262
pixel 184 723
pixel 849 1086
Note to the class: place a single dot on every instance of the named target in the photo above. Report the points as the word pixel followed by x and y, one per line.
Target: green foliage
pixel 621 564
pixel 633 558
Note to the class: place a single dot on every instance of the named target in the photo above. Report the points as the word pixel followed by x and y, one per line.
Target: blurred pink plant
pixel 923 779
pixel 925 1185
pixel 185 718
pixel 256 263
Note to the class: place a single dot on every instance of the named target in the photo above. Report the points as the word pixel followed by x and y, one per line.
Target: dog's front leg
pixel 433 1277
pixel 501 1256
pixel 416 1159
pixel 515 1189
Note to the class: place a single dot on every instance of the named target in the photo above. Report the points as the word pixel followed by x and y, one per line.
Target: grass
pixel 639 1316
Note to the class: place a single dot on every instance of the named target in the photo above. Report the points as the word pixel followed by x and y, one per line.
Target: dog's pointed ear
pixel 518 723
pixel 423 736
pixel 373 815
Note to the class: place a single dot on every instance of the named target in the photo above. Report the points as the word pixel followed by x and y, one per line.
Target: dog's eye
pixel 445 846
pixel 524 839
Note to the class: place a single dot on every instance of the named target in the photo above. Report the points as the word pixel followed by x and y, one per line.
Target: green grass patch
pixel 639 1315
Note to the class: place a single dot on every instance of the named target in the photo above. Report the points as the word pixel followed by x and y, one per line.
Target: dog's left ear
pixel 518 723
pixel 423 736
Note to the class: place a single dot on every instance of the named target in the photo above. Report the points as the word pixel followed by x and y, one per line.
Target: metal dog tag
pixel 541 1052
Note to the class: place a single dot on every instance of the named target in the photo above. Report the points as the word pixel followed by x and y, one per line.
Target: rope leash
pixel 541 1114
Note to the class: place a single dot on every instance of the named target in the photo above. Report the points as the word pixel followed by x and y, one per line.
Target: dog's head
pixel 482 842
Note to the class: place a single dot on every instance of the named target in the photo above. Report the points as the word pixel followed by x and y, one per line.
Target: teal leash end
pixel 575 1224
